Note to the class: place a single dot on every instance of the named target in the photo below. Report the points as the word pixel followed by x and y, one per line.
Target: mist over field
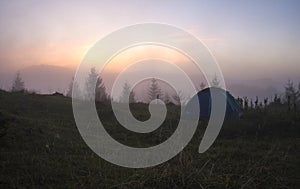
pixel 157 94
pixel 47 79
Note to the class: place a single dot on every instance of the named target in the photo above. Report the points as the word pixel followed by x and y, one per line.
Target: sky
pixel 249 39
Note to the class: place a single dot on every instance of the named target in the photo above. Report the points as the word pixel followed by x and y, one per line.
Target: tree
pixel 91 83
pixel 127 93
pixel 246 103
pixel 73 86
pixel 154 91
pixel 215 82
pixel 256 102
pixel 95 87
pixel 241 102
pixel 18 84
pixel 251 104
pixel 290 92
pixel 276 100
pixel 101 94
pixel 202 85
pixel 179 97
pixel 167 98
pixel 298 93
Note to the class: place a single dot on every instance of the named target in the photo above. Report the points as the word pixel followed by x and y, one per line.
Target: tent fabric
pixel 233 109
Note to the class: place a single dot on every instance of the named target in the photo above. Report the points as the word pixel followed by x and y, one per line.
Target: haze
pixel 256 43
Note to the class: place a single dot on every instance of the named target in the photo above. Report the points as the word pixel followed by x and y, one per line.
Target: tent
pixel 233 109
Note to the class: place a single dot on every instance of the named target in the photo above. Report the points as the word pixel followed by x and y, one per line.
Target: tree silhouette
pixel 246 103
pixel 276 100
pixel 202 86
pixel 18 84
pixel 127 93
pixel 154 91
pixel 95 87
pixel 178 97
pixel 167 98
pixel 266 100
pixel 215 82
pixel 298 94
pixel 290 92
pixel 240 101
pixel 73 86
pixel 256 102
pixel 101 94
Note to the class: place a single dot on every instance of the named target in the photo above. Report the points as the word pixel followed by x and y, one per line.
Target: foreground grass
pixel 41 148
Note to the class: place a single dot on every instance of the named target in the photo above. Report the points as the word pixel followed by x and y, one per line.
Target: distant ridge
pixel 50 78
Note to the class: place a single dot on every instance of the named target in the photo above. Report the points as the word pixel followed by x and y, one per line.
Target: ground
pixel 42 148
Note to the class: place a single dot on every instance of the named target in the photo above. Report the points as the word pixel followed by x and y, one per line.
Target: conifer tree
pixel 290 92
pixel 154 91
pixel 127 93
pixel 18 84
pixel 215 82
pixel 202 85
pixel 73 86
pixel 95 87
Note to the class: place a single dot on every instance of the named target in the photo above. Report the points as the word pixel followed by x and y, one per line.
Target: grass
pixel 42 148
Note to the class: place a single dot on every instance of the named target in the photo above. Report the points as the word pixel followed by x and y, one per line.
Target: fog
pixel 47 79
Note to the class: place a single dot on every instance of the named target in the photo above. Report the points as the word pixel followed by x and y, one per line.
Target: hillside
pixel 42 148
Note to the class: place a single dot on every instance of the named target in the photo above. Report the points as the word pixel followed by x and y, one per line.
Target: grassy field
pixel 42 148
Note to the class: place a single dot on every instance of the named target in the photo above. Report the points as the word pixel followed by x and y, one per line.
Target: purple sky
pixel 251 40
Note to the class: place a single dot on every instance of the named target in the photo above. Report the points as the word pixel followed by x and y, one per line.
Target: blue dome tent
pixel 233 109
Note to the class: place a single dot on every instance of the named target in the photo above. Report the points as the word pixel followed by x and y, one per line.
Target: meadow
pixel 40 147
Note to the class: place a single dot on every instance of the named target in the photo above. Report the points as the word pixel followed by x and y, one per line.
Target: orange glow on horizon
pixel 139 53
